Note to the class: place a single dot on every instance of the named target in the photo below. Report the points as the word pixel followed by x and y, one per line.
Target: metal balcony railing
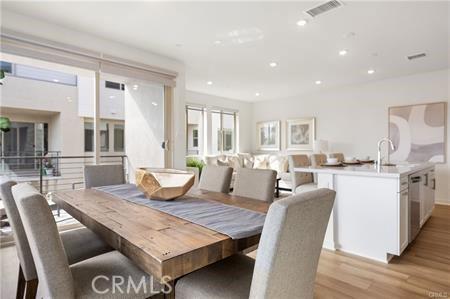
pixel 52 173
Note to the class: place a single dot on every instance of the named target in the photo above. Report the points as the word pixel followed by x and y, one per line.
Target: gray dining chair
pixel 301 181
pixel 79 244
pixel 216 178
pixel 81 280
pixel 255 183
pixel 286 261
pixel 103 175
pixel 338 156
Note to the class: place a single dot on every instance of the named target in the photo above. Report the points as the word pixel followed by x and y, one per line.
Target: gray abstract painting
pixel 418 132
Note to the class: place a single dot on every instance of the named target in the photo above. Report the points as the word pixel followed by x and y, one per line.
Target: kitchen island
pixel 377 212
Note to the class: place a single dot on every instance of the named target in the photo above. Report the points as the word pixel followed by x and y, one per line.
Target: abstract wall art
pixel 419 132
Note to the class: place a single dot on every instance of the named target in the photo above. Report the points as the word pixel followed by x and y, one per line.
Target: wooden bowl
pixel 163 184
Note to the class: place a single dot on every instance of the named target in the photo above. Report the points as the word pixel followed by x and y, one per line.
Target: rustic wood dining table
pixel 160 244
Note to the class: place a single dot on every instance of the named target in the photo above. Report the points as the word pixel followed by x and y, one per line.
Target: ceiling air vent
pixel 416 56
pixel 323 8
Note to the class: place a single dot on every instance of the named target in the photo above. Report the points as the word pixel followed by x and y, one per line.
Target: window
pixel 223 128
pixel 29 72
pixel 6 67
pixel 195 130
pixel 119 138
pixel 114 85
pixel 195 137
pixel 219 138
pixel 89 137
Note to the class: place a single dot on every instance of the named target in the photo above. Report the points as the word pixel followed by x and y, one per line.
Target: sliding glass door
pixel 145 140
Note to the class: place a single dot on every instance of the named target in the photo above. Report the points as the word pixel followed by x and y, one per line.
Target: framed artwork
pixel 418 132
pixel 300 134
pixel 268 135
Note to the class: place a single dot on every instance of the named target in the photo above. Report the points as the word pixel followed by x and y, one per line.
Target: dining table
pixel 160 244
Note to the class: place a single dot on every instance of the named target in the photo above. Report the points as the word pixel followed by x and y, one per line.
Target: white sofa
pixel 279 163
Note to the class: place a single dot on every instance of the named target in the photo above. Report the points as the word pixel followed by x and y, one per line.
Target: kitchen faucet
pixel 379 150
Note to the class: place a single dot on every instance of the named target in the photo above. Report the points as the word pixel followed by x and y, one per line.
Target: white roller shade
pixel 30 50
pixel 33 47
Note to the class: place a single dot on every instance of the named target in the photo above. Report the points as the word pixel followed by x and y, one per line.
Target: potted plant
pixel 5 124
pixel 48 166
pixel 194 162
pixel 2 76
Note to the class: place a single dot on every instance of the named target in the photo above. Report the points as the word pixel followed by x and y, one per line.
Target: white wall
pixel 245 114
pixel 112 101
pixel 354 118
pixel 48 97
pixel 24 24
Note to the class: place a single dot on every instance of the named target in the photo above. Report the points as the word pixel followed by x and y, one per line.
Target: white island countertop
pixel 401 169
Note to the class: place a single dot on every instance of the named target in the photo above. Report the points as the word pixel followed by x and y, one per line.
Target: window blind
pixel 37 48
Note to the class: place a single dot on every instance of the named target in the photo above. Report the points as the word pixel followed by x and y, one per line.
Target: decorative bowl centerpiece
pixel 164 184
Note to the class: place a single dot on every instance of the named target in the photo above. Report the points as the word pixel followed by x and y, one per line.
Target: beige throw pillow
pixel 260 162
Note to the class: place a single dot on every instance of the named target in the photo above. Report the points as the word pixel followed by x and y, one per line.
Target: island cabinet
pixel 371 214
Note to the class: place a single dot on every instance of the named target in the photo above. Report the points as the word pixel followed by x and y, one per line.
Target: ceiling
pixel 377 35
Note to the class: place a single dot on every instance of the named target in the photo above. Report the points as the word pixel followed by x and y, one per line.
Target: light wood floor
pixel 423 271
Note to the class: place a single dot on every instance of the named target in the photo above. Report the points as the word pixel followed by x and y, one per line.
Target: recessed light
pixel 154 104
pixel 273 64
pixel 55 80
pixel 257 94
pixel 209 83
pixel 112 97
pixel 217 42
pixel 318 82
pixel 371 71
pixel 343 52
pixel 69 99
pixel 302 22
pixel 135 86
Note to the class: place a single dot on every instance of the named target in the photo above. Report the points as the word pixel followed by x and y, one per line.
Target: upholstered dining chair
pixel 301 181
pixel 286 261
pixel 338 156
pixel 216 178
pixel 317 160
pixel 79 244
pixel 81 280
pixel 103 175
pixel 255 183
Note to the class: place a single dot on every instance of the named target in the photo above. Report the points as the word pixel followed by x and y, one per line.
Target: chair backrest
pixel 290 246
pixel 216 178
pixel 55 278
pixel 255 183
pixel 20 238
pixel 103 175
pixel 299 178
pixel 338 156
pixel 317 160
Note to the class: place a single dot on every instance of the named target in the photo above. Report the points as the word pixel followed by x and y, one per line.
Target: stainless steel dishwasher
pixel 414 205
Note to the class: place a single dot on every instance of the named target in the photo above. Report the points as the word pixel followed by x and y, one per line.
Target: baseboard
pixel 444 203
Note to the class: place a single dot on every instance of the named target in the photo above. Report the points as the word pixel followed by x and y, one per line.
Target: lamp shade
pixel 320 146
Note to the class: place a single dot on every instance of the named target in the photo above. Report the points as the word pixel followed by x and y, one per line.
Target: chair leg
pixel 31 289
pixel 20 284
